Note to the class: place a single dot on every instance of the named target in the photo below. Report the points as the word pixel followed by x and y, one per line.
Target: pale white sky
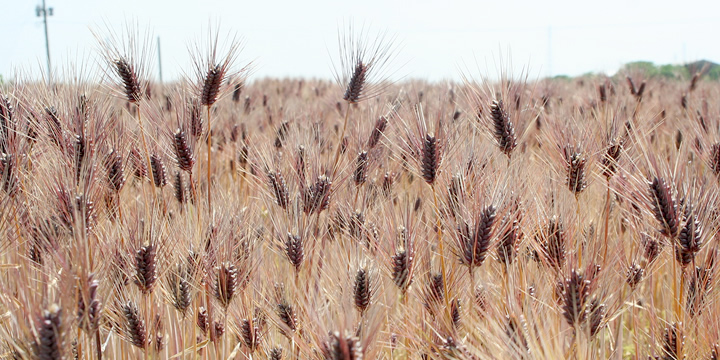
pixel 292 38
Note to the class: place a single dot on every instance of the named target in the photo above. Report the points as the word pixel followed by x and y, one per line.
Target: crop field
pixel 226 217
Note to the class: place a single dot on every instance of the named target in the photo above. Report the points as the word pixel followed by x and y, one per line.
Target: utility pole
pixel 44 12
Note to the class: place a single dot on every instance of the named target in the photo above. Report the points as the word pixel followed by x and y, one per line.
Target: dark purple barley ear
pixel 226 284
pixel 673 341
pixel 635 274
pixel 80 149
pixel 7 123
pixel 640 91
pixel 651 248
pixel 54 125
pixel 246 105
pixel 48 344
pixel 455 312
pixel 237 92
pixel 456 194
pixel 300 167
pixel 196 120
pixel 294 250
pixel 689 239
pixel 180 288
pixel 402 264
pixel 179 188
pixel 377 132
pixel 9 180
pixel 126 72
pixel 714 161
pixel 158 171
pixel 145 268
pixel 387 184
pixel 361 290
pixel 503 129
pixel 475 241
pixel 316 198
pixel 159 340
pixel 243 156
pixel 430 159
pixel 89 307
pixel 610 159
pixel 345 347
pixel 631 86
pixel 575 295
pixel 85 209
pixel 664 207
pixel 250 333
pixel 140 169
pixel 183 152
pixel 286 313
pixel 135 325
pixel 553 243
pixel 510 234
pixel 698 288
pixel 456 115
pixel 202 321
pixel 276 353
pixel 279 188
pixel 219 329
pixel 211 85
pixel 282 133
pixel 434 293
pixel 596 316
pixel 115 171
pixel 575 169
pixel 355 86
pixel 602 91
pixel 361 164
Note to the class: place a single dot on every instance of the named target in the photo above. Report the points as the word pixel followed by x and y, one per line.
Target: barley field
pixel 226 217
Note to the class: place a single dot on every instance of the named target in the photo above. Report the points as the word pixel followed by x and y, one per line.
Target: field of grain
pixel 225 217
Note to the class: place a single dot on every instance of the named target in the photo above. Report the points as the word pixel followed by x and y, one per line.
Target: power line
pixel 44 12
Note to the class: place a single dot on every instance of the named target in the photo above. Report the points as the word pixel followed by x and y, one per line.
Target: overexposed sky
pixel 438 38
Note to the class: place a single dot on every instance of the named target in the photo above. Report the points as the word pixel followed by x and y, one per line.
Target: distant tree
pixel 714 73
pixel 646 67
pixel 670 71
pixel 700 66
pixel 673 71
